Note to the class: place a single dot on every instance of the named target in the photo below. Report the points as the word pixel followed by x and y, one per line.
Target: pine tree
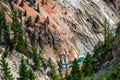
pixel 41 42
pixel 88 67
pixel 75 74
pixel 60 65
pixel 2 23
pixel 4 29
pixel 75 67
pixel 75 70
pixel 36 59
pixel 38 8
pixel 108 36
pixel 25 48
pixel 50 62
pixel 29 21
pixel 5 53
pixel 6 70
pixel 52 71
pixel 37 19
pixel 6 35
pixel 56 77
pixel 23 71
pixel 32 76
pixel 18 42
pixel 25 13
pixel 18 33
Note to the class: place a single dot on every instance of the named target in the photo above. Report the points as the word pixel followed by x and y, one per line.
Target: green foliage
pixel 2 23
pixel 36 58
pixel 93 77
pixel 50 62
pixel 23 71
pixel 5 53
pixel 37 19
pixel 108 36
pixel 108 39
pixel 6 35
pixel 32 76
pixel 60 65
pixel 76 73
pixel 69 77
pixel 29 21
pixel 52 67
pixel 88 68
pixel 18 33
pixel 18 42
pixel 87 71
pixel 25 13
pixel 56 77
pixel 6 70
pixel 75 67
pixel 98 49
pixel 25 50
pixel 4 29
pixel 115 75
pixel 77 76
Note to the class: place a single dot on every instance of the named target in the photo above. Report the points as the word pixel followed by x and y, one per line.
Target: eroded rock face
pixel 109 66
pixel 70 27
pixel 116 47
pixel 77 24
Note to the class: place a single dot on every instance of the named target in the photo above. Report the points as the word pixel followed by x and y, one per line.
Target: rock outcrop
pixel 69 27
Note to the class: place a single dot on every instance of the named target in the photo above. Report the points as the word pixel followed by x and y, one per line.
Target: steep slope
pixel 74 24
pixel 69 27
pixel 74 18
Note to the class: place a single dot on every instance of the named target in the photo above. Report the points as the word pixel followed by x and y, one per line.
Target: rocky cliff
pixel 69 27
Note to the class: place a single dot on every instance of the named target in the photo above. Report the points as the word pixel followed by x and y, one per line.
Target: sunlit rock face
pixel 72 28
pixel 77 25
